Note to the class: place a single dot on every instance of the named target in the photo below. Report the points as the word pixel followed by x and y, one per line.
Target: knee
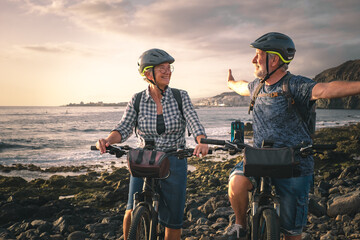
pixel 239 186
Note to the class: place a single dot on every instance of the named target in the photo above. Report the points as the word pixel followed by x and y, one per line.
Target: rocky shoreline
pixel 92 205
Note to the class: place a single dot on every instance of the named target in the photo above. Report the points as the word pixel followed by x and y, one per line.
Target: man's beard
pixel 258 73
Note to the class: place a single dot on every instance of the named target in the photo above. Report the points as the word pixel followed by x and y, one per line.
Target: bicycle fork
pixel 261 201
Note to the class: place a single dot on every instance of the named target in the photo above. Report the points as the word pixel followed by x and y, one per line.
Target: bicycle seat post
pixel 265 185
pixel 254 204
pixel 155 199
pixel 136 199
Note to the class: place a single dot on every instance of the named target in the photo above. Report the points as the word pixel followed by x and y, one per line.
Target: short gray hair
pixel 147 71
pixel 283 67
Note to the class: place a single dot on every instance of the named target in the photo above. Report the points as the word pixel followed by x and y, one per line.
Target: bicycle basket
pixel 269 162
pixel 148 163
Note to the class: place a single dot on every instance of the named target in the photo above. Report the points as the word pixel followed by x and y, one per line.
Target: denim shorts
pixel 172 192
pixel 294 199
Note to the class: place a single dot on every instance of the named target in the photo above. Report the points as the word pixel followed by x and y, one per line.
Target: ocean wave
pixel 4 146
pixel 87 130
pixel 27 145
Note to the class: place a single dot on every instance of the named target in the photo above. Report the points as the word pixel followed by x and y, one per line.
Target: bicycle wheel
pixel 269 226
pixel 153 227
pixel 140 224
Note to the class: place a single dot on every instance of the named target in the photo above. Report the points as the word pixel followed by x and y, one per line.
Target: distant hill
pixel 98 104
pixel 228 99
pixel 348 71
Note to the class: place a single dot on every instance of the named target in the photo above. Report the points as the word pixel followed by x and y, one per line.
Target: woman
pixel 160 119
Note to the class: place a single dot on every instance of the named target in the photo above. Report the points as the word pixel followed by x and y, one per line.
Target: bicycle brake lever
pixel 119 154
pixel 305 148
pixel 220 148
pixel 232 151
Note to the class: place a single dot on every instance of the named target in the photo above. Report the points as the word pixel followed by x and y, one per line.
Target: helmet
pixel 276 43
pixel 153 57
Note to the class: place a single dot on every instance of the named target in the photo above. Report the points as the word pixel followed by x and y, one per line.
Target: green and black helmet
pixel 276 43
pixel 152 58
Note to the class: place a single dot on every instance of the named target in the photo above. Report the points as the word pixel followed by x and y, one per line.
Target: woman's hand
pixel 114 137
pixel 201 148
pixel 101 144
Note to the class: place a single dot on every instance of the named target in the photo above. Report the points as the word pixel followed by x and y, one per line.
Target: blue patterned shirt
pixel 273 120
pixel 175 123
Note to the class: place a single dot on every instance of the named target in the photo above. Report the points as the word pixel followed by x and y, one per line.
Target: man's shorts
pixel 294 195
pixel 172 192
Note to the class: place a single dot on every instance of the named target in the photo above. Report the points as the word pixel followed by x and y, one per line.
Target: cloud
pixel 63 48
pixel 212 27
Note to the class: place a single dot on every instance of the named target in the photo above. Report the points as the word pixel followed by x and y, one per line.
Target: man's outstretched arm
pixel 335 89
pixel 241 87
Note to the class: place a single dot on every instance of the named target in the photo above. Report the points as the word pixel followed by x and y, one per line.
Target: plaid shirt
pixel 175 124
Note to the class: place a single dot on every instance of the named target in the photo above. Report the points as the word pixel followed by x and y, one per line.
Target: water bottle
pixel 237 131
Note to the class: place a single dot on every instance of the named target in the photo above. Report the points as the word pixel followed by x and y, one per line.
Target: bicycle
pixel 263 215
pixel 144 219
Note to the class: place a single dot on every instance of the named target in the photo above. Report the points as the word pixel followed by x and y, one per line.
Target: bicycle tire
pixel 154 227
pixel 269 226
pixel 140 224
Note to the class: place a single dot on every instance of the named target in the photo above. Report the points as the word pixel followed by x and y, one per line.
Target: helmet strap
pixel 267 69
pixel 162 92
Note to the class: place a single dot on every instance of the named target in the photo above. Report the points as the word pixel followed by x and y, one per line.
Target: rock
pixel 327 236
pixel 194 214
pixel 315 208
pixel 77 235
pixel 220 212
pixel 68 223
pixel 347 204
pixel 12 181
pixel 306 236
pixel 202 221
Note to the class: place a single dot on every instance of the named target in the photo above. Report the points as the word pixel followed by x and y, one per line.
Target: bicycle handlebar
pixel 119 151
pixel 324 146
pixel 235 147
pixel 212 141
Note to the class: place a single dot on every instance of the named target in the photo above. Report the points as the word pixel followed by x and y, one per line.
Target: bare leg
pixel 172 234
pixel 238 196
pixel 126 223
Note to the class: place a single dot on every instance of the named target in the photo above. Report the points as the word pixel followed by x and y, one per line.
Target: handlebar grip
pixel 324 146
pixel 212 141
pixel 94 148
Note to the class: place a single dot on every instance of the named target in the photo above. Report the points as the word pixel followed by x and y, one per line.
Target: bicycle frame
pixel 149 195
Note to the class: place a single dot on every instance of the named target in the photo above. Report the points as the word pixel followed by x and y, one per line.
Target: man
pixel 273 121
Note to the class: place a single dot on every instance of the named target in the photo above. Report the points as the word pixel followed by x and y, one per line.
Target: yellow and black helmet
pixel 276 43
pixel 152 58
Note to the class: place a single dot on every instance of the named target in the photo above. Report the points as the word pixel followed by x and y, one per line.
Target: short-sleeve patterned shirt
pixel 175 123
pixel 274 120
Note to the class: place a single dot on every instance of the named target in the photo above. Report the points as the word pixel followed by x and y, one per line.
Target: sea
pixel 61 136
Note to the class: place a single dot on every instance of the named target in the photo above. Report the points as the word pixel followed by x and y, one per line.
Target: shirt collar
pixel 165 97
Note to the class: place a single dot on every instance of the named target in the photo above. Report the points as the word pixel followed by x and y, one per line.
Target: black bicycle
pixel 264 204
pixel 144 219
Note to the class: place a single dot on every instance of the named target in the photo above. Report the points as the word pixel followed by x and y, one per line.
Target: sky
pixel 55 52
